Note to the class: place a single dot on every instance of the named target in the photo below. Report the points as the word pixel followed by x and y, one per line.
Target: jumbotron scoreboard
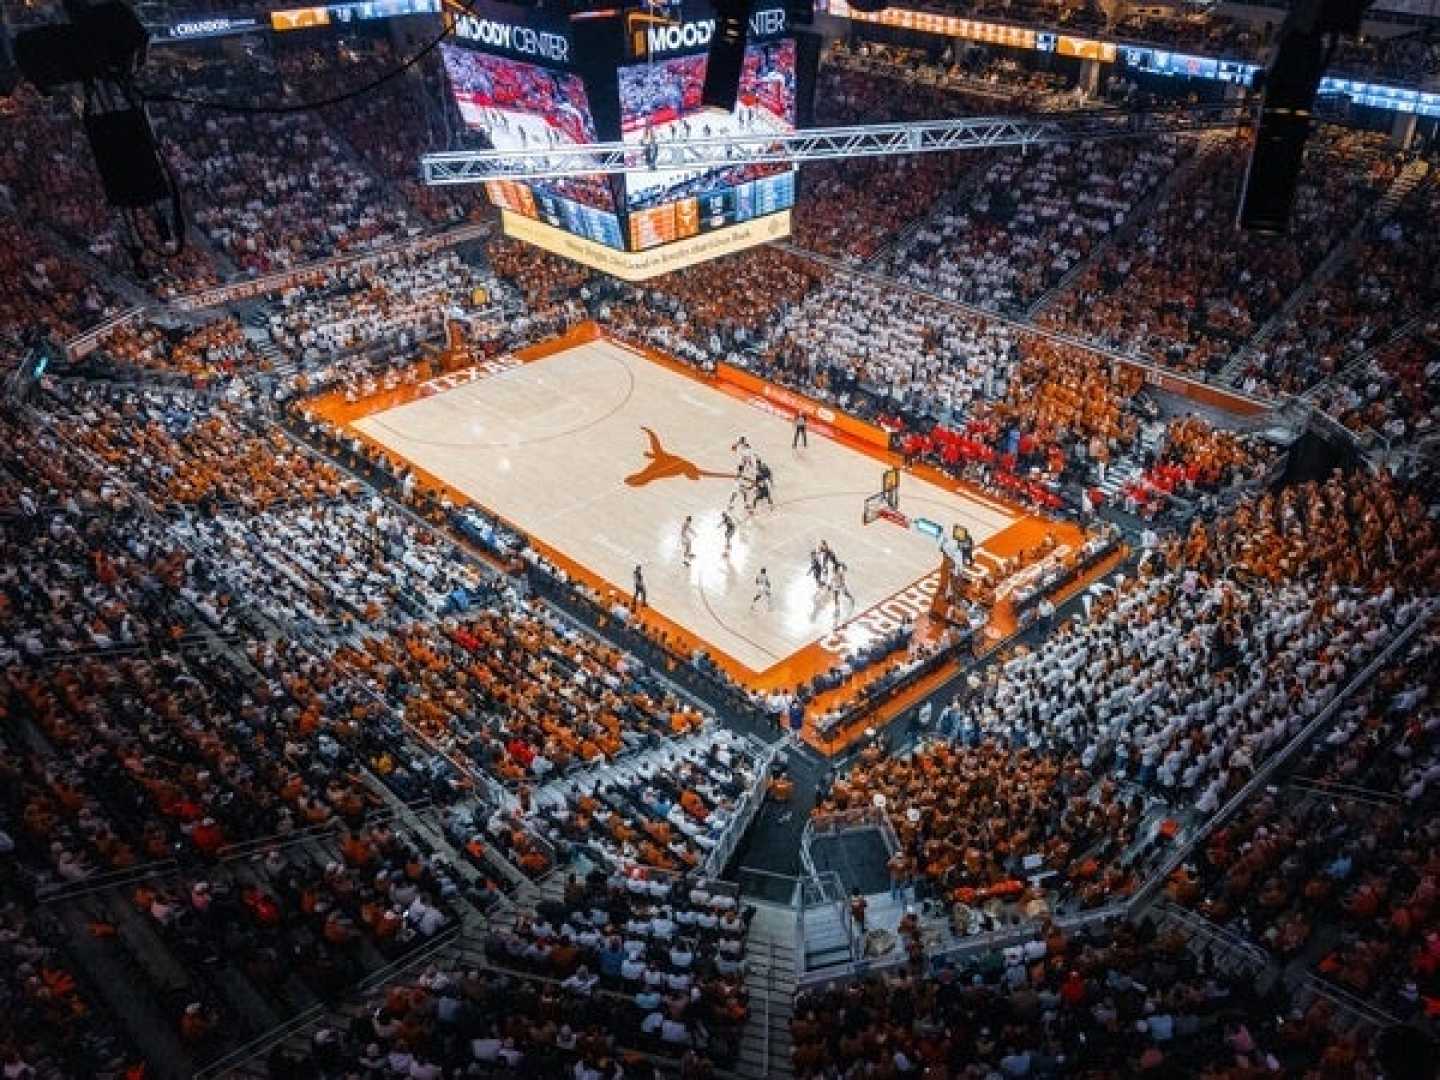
pixel 525 78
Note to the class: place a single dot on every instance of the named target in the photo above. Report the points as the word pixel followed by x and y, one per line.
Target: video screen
pixel 660 101
pixel 519 106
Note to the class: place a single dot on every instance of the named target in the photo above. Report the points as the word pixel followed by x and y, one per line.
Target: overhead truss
pixel 821 144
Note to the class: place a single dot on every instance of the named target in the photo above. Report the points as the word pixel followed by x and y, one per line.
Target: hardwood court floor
pixel 549 446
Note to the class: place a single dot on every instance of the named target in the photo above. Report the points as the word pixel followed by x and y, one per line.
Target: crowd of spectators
pixel 477 1020
pixel 1393 273
pixel 186 450
pixel 1180 682
pixel 171 550
pixel 1393 393
pixel 850 209
pixel 1339 875
pixel 1032 218
pixel 52 1024
pixel 970 815
pixel 667 955
pixel 392 305
pixel 206 353
pixel 276 191
pixel 334 564
pixel 1213 32
pixel 1176 294
pixel 967 67
pixel 47 175
pixel 667 808
pixel 45 288
pixel 1110 1000
pixel 1195 459
pixel 518 692
pixel 49 179
pixel 774 280
pixel 391 126
pixel 549 284
pixel 141 746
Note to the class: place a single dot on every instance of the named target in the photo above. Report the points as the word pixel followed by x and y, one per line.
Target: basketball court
pixel 598 452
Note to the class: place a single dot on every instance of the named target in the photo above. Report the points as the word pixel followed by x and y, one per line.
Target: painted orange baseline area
pixel 805 664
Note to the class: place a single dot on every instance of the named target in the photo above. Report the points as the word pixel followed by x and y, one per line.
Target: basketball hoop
pixel 886 502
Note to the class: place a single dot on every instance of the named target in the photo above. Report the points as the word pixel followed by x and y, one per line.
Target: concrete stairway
pixel 827 939
pixel 1130 465
pixel 765 1045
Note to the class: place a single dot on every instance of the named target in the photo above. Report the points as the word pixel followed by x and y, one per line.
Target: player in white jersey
pixel 747 455
pixel 687 540
pixel 744 494
pixel 838 588
pixel 762 591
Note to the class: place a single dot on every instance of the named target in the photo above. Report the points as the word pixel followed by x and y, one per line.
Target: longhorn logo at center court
pixel 665 465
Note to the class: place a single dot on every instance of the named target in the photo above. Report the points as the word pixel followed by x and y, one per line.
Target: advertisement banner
pixel 788 402
pixel 211 26
pixel 659 30
pixel 1086 48
pixel 299 18
pixel 642 265
pixel 929 22
pixel 520 32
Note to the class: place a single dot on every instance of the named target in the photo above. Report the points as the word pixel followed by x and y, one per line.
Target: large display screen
pixel 519 106
pixel 660 101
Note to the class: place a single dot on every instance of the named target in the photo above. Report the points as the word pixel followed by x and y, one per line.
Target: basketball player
pixel 762 488
pixel 966 546
pixel 744 492
pixel 727 525
pixel 828 559
pixel 817 568
pixel 638 599
pixel 687 540
pixel 838 588
pixel 746 451
pixel 762 591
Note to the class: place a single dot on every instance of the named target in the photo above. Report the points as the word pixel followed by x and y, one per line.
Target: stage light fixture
pixel 1307 38
pixel 727 56
pixel 104 42
pixel 99 52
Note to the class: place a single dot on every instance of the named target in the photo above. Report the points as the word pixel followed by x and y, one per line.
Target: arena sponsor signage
pixel 787 403
pixel 517 38
pixel 908 606
pixel 649 35
pixel 931 23
pixel 215 26
pixel 1086 48
pixel 363 11
pixel 643 265
pixel 299 18
pixel 1214 396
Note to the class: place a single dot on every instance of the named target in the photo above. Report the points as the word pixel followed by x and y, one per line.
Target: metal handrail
pixel 769 993
pixel 1199 926
pixel 114 879
pixel 750 803
pixel 1348 1002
